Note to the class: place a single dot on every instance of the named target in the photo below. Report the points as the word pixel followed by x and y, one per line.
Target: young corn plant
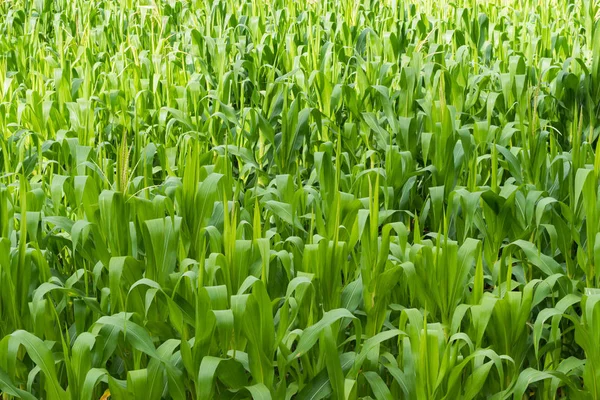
pixel 299 200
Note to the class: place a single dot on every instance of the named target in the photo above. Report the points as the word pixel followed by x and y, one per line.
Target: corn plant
pixel 299 199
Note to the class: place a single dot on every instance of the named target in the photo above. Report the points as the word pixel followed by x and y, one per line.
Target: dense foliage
pixel 299 199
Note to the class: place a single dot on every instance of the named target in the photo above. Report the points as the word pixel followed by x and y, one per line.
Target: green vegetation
pixel 299 199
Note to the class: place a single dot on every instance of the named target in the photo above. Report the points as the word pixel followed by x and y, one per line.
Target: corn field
pixel 308 199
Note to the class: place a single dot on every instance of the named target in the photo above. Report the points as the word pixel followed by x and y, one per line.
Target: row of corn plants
pixel 301 199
